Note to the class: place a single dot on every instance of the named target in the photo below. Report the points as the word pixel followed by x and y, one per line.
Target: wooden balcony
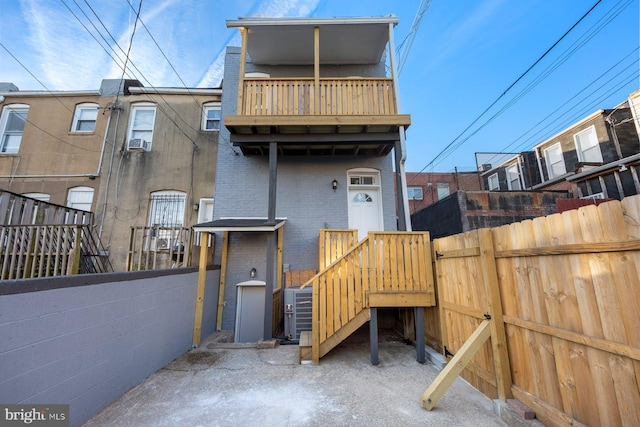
pixel 328 116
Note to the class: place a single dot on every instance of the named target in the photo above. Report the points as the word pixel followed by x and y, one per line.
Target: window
pixel 362 180
pixel 141 123
pixel 443 190
pixel 12 124
pixel 587 146
pixel 555 161
pixel 362 198
pixel 211 116
pixel 166 209
pixel 43 197
pixel 494 184
pixel 414 193
pixel 513 178
pixel 84 119
pixel 80 198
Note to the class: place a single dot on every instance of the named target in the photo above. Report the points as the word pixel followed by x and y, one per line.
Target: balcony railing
pixel 296 97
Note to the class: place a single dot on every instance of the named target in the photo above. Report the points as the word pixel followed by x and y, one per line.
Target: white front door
pixel 365 207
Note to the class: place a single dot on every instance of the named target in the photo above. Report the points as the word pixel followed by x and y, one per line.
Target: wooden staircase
pixel 386 269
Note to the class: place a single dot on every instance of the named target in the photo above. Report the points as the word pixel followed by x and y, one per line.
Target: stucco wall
pixel 85 340
pixel 304 195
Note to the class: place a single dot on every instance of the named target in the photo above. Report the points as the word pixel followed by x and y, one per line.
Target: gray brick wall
pixel 86 345
pixel 304 194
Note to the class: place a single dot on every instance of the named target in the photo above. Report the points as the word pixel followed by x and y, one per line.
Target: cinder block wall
pixel 86 340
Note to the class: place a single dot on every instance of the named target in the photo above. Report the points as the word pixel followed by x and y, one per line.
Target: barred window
pixel 166 209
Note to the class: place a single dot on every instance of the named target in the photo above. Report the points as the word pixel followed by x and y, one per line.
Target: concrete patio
pixel 218 385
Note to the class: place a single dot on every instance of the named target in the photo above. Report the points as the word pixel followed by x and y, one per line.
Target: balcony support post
pixel 272 243
pixel 243 63
pixel 316 69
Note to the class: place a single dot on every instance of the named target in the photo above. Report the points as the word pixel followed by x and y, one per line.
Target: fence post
pixel 498 336
pixel 444 339
pixel 75 266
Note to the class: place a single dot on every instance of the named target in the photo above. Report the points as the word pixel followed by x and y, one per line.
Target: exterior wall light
pixel 334 184
pixel 252 273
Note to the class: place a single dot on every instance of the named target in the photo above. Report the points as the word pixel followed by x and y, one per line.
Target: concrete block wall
pixel 85 340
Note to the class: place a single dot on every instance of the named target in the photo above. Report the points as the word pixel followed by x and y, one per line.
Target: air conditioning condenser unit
pixel 297 312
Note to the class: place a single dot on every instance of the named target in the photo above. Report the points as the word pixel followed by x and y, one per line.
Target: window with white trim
pixel 555 161
pixel 513 178
pixel 587 145
pixel 12 124
pixel 443 190
pixel 414 193
pixel 166 209
pixel 43 197
pixel 80 198
pixel 494 183
pixel 211 115
pixel 141 124
pixel 84 118
pixel 362 179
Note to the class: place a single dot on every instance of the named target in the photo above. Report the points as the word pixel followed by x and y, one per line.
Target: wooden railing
pixel 295 97
pixel 28 251
pixel 153 248
pixel 333 244
pixel 16 209
pixel 386 269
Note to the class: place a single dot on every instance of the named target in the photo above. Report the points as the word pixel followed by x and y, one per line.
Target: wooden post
pixel 243 63
pixel 279 261
pixel 202 277
pixel 315 322
pixel 316 69
pixel 446 377
pixel 373 334
pixel 272 247
pixel 498 335
pixel 223 273
pixel 440 294
pixel 75 266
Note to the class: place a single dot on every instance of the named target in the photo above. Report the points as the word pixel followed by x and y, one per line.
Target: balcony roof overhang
pixel 290 41
pixel 317 135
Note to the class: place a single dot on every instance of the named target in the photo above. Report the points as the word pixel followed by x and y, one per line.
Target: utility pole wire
pixel 509 88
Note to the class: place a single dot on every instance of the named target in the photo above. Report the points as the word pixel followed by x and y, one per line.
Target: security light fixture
pixel 252 273
pixel 334 184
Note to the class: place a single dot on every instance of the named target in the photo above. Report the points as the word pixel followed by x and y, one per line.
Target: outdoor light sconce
pixel 334 184
pixel 252 273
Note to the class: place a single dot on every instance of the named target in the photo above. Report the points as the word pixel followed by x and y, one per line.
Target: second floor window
pixel 211 116
pixel 141 123
pixel 555 161
pixel 513 178
pixel 587 146
pixel 494 183
pixel 12 124
pixel 443 190
pixel 84 118
pixel 414 193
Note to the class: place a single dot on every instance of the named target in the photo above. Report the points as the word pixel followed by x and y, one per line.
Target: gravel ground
pixel 267 387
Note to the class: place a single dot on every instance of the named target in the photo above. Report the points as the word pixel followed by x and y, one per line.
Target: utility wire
pixel 510 87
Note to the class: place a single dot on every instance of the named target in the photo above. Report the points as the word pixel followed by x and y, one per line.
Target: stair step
pixel 305 347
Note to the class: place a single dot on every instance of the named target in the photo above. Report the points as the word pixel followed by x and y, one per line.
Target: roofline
pixel 612 165
pixel 175 90
pixel 589 117
pixel 28 93
pixel 254 22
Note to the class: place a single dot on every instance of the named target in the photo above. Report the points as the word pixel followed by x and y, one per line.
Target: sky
pixel 482 76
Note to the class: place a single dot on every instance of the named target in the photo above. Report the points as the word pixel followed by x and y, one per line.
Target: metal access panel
pixel 297 312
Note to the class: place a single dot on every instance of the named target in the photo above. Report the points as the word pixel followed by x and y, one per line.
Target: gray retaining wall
pixel 85 340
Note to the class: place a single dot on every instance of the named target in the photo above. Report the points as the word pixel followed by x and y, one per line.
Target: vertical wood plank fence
pixel 568 291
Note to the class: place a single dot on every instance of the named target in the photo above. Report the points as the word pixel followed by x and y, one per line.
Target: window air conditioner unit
pixel 297 312
pixel 138 144
pixel 159 243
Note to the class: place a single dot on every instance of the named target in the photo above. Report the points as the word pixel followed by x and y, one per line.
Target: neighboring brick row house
pixel 596 157
pixel 426 188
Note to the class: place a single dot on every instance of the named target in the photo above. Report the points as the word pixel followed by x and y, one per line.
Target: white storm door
pixel 364 211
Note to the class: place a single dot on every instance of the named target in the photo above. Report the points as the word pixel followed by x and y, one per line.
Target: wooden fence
pixel 294 97
pixel 153 248
pixel 28 251
pixel 333 244
pixel 563 293
pixel 16 209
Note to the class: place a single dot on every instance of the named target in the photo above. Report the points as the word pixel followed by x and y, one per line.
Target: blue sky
pixel 466 53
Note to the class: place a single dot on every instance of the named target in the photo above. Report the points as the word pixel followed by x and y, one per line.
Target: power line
pixel 509 88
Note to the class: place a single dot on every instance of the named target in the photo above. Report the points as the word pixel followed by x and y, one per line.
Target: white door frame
pixel 371 187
